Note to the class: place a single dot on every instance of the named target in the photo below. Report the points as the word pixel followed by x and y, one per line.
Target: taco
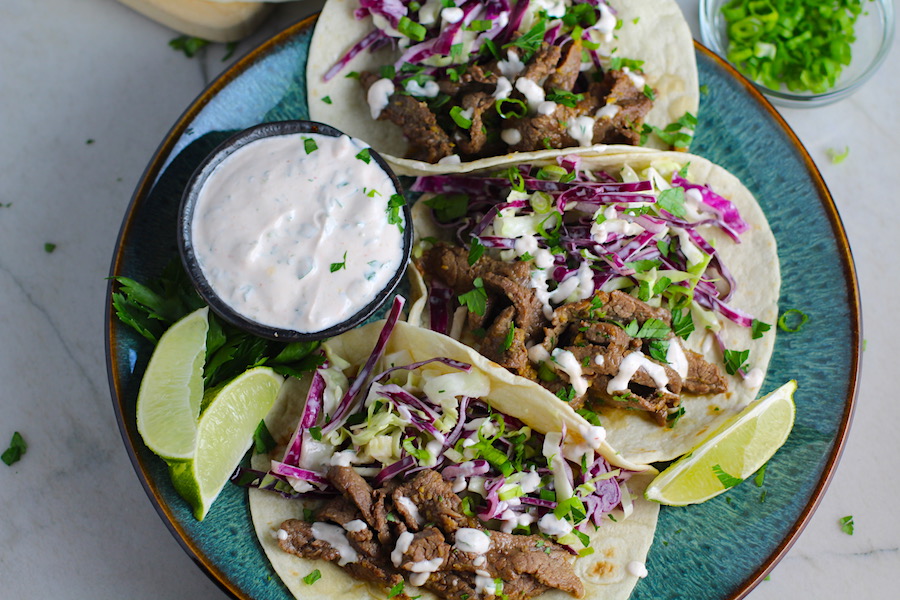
pixel 444 476
pixel 639 287
pixel 432 84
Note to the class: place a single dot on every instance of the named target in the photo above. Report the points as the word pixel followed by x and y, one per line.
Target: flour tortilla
pixel 754 264
pixel 660 37
pixel 616 544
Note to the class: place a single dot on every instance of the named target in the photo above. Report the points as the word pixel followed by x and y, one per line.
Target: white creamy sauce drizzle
pixel 410 507
pixel 637 79
pixel 336 537
pixel 608 112
pixel 511 136
pixel 637 569
pixel 356 525
pixel 629 366
pixel 582 130
pixel 450 159
pixel 511 67
pixel 429 90
pixel 569 365
pixel 503 89
pixel 534 94
pixel 379 95
pixel 402 545
pixel 550 524
pixel 546 107
pixel 272 221
pixel 677 359
pixel 472 540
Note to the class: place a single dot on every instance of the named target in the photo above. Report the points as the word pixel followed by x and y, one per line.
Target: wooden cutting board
pixel 213 21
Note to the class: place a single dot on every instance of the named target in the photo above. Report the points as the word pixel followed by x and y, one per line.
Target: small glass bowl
pixel 205 288
pixel 874 30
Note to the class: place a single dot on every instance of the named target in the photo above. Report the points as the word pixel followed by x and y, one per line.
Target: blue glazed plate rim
pixel 151 480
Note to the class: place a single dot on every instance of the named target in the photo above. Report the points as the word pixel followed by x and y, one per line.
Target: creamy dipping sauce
pixel 294 231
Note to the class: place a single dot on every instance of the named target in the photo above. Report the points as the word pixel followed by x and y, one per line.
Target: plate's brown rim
pixel 147 179
pixel 143 188
pixel 849 269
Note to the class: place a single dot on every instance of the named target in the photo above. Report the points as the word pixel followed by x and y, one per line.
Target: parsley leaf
pixel 729 481
pixel 652 328
pixel 659 350
pixel 17 448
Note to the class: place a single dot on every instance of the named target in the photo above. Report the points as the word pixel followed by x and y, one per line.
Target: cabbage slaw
pixel 413 416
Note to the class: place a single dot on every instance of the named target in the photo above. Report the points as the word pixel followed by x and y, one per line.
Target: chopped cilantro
pixel 617 63
pixel 531 41
pixel 310 145
pixel 729 481
pixel 589 416
pixel 230 47
pixel 448 207
pixel 395 203
pixel 475 299
pixel 187 44
pixel 682 323
pixel 312 577
pixel 649 92
pixel 846 524
pixel 672 200
pixel 364 155
pixel 17 448
pixel 326 99
pixel 673 417
pixel 49 247
pixel 476 250
pixel 315 433
pixel 510 336
pixel 735 360
pixel 396 590
pixel 339 265
pixel 564 97
pixel 262 439
pixel 758 328
pixel 760 475
pixel 659 350
pixel 566 393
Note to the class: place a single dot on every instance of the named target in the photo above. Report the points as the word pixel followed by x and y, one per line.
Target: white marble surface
pixel 88 89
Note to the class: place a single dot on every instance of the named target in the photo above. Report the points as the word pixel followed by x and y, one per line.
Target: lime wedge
pixel 224 434
pixel 168 401
pixel 730 454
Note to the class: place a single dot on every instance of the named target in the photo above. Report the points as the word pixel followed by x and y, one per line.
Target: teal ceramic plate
pixel 718 550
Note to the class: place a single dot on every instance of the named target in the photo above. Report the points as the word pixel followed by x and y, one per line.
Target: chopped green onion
pixel 800 44
pixel 456 113
pixel 511 108
pixel 411 29
pixel 312 577
pixel 788 320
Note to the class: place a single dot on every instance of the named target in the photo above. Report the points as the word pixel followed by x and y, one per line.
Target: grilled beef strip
pixel 527 564
pixel 591 329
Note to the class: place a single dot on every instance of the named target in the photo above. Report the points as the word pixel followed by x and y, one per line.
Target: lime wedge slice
pixel 730 454
pixel 224 434
pixel 168 401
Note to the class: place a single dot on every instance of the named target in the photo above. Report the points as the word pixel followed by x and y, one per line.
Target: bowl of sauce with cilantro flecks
pixel 800 53
pixel 294 231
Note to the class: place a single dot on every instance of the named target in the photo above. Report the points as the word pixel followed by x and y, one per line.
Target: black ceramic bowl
pixel 203 286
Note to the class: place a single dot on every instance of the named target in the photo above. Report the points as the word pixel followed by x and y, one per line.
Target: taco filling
pixel 412 476
pixel 588 281
pixel 478 79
